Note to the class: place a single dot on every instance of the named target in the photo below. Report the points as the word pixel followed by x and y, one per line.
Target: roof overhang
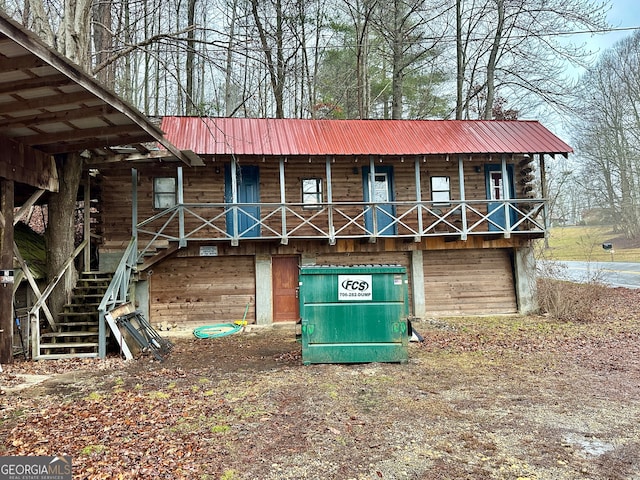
pixel 299 137
pixel 49 106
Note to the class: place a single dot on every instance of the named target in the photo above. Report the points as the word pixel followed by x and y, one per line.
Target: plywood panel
pixel 202 291
pixel 469 282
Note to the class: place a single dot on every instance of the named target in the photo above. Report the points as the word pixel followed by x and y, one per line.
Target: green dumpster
pixel 354 314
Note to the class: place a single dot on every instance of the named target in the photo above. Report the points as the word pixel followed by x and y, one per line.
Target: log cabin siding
pixel 194 291
pixel 459 282
pixel 206 185
pixel 458 273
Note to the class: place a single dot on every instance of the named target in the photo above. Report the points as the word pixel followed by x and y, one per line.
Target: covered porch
pixel 360 211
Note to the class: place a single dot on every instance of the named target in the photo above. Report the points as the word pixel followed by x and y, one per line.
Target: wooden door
pixel 497 192
pixel 248 215
pixel 284 271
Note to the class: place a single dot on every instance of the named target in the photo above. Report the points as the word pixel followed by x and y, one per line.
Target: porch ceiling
pixel 49 105
pixel 282 137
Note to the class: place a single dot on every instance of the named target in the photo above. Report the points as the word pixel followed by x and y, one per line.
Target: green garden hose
pixel 215 331
pixel 222 329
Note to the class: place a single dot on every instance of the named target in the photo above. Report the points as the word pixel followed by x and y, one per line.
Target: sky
pixel 623 14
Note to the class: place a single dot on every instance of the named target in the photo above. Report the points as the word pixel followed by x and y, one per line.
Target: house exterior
pixel 458 203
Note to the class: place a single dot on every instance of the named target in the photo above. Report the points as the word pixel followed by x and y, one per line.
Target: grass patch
pixel 94 397
pixel 158 395
pixel 91 449
pixel 585 244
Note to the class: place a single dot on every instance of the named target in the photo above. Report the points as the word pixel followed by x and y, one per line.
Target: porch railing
pixel 339 220
pixel 117 294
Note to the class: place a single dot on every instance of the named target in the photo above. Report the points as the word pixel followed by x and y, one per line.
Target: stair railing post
pixel 134 205
pixel 182 240
pixel 102 336
pixel 34 319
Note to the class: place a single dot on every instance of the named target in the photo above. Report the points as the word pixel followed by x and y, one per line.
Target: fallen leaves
pixel 460 409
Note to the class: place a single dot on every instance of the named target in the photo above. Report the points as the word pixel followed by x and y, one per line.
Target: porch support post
pixel 234 201
pixel 543 195
pixel 284 240
pixel 418 199
pixel 183 241
pixel 7 188
pixel 264 293
pixel 463 198
pixel 134 205
pixel 506 197
pixel 372 189
pixel 525 279
pixel 332 230
pixel 417 284
pixel 87 224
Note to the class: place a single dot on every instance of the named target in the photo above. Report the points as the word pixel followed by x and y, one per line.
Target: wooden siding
pixel 201 291
pixel 206 185
pixel 472 282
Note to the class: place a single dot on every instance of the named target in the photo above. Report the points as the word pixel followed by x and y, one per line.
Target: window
pixel 381 188
pixel 164 192
pixel 440 190
pixel 495 183
pixel 311 192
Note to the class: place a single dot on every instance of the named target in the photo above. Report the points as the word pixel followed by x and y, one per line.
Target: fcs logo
pixel 355 285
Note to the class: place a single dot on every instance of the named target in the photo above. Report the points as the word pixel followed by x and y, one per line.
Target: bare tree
pixel 411 31
pixel 515 49
pixel 607 131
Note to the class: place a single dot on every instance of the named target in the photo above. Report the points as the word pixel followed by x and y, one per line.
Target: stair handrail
pixel 117 293
pixel 34 313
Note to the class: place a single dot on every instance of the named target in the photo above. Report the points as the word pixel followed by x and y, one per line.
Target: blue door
pixel 382 192
pixel 495 195
pixel 248 182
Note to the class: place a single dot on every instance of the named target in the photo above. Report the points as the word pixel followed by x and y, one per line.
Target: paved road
pixel 616 274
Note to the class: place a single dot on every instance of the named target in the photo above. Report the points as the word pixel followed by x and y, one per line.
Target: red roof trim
pixel 270 136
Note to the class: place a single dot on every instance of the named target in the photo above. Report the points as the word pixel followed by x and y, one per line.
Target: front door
pixel 248 216
pixel 496 196
pixel 380 192
pixel 284 271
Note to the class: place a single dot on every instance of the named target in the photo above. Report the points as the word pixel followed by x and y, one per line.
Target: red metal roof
pixel 270 136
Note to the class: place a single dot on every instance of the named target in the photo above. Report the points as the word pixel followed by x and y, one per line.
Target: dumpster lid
pixel 350 269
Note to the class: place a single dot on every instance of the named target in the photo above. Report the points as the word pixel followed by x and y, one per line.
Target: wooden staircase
pixel 77 328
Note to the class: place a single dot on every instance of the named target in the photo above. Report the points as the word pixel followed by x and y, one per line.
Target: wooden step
pixel 79 314
pixel 68 345
pixel 59 356
pixel 87 295
pixel 77 324
pixel 86 306
pixel 68 334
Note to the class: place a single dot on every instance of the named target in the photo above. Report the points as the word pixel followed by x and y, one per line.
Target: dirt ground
pixel 482 398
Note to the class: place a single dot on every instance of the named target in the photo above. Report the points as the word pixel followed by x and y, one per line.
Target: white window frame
pixel 439 194
pixel 312 198
pixel 165 192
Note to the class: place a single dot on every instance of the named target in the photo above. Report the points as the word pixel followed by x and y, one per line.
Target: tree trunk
pixel 274 67
pixel 493 61
pixel 60 233
pixel 191 106
pixel 460 62
pixel 228 74
pixel 103 42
